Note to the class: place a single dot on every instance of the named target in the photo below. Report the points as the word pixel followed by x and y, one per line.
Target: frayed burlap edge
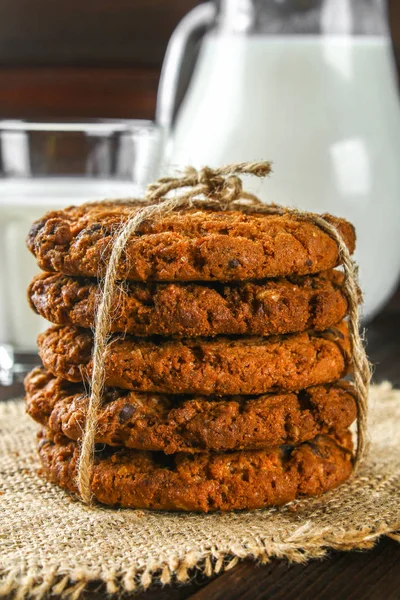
pixel 51 544
pixel 32 583
pixel 35 584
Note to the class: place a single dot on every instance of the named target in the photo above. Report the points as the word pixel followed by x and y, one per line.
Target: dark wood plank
pixel 78 92
pixel 16 390
pixel 100 32
pixel 383 344
pixel 156 592
pixel 372 575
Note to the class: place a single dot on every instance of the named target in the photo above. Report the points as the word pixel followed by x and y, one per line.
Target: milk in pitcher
pixel 325 109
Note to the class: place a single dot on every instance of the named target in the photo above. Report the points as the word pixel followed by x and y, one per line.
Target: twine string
pixel 210 189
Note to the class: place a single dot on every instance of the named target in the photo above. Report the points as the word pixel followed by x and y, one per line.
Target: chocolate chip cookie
pixel 202 482
pixel 191 310
pixel 219 366
pixel 191 424
pixel 189 245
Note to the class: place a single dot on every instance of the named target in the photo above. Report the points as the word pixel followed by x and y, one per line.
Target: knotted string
pixel 212 189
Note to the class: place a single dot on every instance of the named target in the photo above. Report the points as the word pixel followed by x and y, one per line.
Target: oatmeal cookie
pixel 202 482
pixel 191 424
pixel 218 366
pixel 189 245
pixel 191 310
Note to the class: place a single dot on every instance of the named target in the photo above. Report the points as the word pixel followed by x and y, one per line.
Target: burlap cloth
pixel 51 543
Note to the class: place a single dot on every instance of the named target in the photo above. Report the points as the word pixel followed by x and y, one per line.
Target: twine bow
pixel 222 185
pixel 219 189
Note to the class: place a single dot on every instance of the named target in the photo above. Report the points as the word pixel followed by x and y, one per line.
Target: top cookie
pixel 189 245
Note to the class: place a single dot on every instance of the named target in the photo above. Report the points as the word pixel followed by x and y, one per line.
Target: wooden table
pixel 369 575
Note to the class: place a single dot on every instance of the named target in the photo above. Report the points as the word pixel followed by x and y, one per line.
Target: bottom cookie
pixel 202 482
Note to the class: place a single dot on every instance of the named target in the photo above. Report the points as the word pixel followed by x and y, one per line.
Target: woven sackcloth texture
pixel 51 543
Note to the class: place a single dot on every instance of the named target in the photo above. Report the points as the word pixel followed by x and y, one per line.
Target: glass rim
pixel 116 148
pixel 89 126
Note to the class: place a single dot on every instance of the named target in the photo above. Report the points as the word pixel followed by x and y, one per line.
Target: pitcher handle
pixel 201 16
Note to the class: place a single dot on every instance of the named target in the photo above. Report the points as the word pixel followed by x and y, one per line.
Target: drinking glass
pixel 50 165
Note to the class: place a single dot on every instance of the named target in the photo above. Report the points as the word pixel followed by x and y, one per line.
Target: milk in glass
pixel 21 202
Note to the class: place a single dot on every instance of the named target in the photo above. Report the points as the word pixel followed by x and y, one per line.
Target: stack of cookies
pixel 224 371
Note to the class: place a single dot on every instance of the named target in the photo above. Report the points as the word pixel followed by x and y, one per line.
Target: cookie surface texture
pixel 190 245
pixel 203 482
pixel 196 424
pixel 220 366
pixel 192 310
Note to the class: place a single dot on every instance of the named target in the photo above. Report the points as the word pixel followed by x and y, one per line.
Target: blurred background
pixel 92 58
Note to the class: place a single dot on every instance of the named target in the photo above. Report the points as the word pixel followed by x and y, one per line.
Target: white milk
pixel 326 111
pixel 21 202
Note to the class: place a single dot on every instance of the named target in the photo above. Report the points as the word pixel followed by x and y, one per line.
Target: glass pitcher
pixel 310 85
